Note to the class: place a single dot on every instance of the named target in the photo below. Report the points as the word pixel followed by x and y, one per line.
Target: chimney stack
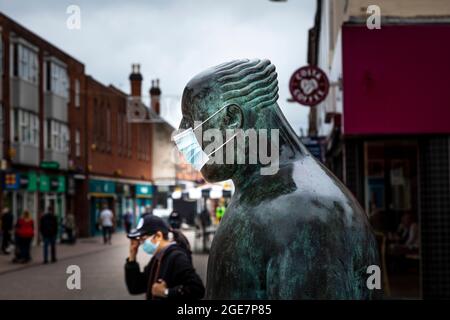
pixel 155 94
pixel 135 80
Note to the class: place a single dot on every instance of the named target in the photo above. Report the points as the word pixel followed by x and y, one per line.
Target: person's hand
pixel 134 246
pixel 158 288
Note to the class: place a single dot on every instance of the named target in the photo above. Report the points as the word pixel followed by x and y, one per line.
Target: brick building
pixel 118 161
pixel 40 95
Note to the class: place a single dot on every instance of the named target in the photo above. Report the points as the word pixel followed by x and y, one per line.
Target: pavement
pixel 101 271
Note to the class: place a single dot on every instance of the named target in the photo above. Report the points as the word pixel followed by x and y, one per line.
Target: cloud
pixel 175 39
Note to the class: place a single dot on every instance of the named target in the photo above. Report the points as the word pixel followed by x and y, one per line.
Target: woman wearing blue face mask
pixel 169 274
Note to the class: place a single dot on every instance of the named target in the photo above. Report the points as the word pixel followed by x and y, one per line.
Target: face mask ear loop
pixel 232 137
pixel 209 118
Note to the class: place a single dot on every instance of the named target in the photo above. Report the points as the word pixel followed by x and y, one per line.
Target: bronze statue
pixel 295 234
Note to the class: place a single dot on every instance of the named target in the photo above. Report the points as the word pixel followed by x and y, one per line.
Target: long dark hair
pixel 180 240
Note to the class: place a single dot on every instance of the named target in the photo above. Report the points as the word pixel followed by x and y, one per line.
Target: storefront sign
pixel 58 184
pixel 49 165
pixel 123 189
pixel 100 186
pixel 144 190
pixel 12 181
pixel 29 181
pixel 309 86
pixel 44 183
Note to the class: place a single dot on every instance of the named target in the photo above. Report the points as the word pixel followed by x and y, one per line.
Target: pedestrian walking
pixel 147 211
pixel 24 232
pixel 128 221
pixel 107 223
pixel 7 226
pixel 175 220
pixel 169 274
pixel 70 227
pixel 49 229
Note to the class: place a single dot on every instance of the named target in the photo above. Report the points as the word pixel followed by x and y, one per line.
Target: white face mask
pixel 192 151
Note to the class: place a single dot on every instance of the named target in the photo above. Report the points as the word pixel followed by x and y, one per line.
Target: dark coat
pixel 7 221
pixel 49 225
pixel 174 266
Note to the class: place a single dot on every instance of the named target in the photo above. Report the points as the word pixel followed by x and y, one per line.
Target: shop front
pixel 53 195
pixel 101 192
pixel 125 203
pixel 144 197
pixel 21 193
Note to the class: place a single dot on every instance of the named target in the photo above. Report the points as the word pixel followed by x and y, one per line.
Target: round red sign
pixel 309 85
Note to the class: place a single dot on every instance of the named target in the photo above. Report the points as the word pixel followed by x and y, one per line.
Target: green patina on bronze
pixel 297 234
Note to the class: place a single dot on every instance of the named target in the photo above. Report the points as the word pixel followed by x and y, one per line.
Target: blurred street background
pixel 102 271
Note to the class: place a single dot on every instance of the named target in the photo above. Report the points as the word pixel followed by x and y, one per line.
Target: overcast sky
pixel 175 39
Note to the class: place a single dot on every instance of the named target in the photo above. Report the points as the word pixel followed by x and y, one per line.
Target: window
pixel 34 121
pixel 26 66
pixel 108 129
pixel 57 136
pixel 77 93
pixel 26 127
pixel 130 139
pixel 119 132
pixel 77 143
pixel 56 79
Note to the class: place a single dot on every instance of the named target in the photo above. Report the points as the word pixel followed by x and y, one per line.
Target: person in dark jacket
pixel 175 220
pixel 49 230
pixel 7 226
pixel 169 274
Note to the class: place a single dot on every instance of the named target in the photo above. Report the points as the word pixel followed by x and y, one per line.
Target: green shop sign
pixel 100 186
pixel 52 183
pixel 44 183
pixel 49 165
pixel 29 181
pixel 144 190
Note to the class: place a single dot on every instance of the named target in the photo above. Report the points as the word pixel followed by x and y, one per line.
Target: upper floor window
pixel 57 137
pixel 77 143
pixel 77 93
pixel 25 63
pixel 57 80
pixel 26 127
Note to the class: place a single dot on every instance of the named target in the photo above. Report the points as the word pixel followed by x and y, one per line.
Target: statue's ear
pixel 234 118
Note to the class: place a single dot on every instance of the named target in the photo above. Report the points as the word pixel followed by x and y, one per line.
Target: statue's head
pixel 235 94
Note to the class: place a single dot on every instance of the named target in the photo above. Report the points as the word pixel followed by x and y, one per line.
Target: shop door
pixel 391 178
pixel 55 201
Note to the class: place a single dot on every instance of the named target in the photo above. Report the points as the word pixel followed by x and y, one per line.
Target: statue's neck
pixel 248 178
